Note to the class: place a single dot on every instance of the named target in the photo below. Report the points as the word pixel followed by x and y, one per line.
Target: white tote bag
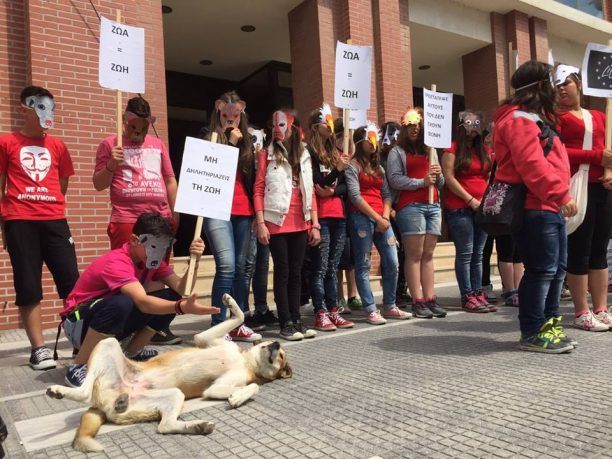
pixel 579 183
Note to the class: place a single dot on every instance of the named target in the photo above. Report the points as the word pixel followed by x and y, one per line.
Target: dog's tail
pixel 84 440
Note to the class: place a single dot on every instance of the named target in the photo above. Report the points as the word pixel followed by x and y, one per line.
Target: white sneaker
pixel 588 322
pixel 605 318
pixel 307 309
pixel 375 318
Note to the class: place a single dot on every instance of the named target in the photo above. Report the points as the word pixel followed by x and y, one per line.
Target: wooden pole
pixel 119 104
pixel 432 152
pixel 197 233
pixel 346 121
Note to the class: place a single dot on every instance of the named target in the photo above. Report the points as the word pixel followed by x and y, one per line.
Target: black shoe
pixel 435 308
pixel 402 299
pixel 304 330
pixel 165 337
pixel 268 318
pixel 420 310
pixel 41 358
pixel 146 353
pixel 255 322
pixel 289 332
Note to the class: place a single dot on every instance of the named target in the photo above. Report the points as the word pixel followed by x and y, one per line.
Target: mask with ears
pixel 229 113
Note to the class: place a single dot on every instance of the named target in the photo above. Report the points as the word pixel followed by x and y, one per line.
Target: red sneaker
pixel 471 304
pixel 323 321
pixel 244 333
pixel 482 299
pixel 338 320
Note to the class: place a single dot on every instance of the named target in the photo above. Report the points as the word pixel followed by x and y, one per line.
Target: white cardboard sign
pixel 438 111
pixel 597 70
pixel 358 118
pixel 122 57
pixel 208 174
pixel 353 76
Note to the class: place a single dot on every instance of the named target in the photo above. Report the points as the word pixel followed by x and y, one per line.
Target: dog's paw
pixel 55 391
pixel 122 403
pixel 202 427
pixel 231 304
pixel 236 399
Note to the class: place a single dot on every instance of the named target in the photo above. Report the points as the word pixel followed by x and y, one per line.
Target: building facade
pixel 468 47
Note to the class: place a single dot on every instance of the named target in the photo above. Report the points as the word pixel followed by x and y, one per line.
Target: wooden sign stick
pixel 119 105
pixel 197 233
pixel 346 121
pixel 432 152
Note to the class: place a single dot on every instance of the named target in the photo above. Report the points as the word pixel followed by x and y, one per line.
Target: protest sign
pixel 438 119
pixel 353 76
pixel 208 174
pixel 358 118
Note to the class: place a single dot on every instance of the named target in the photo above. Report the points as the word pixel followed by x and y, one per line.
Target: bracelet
pixel 261 223
pixel 112 171
pixel 385 218
pixel 177 308
pixel 471 199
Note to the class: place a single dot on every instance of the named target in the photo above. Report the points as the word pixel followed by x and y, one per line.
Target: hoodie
pixel 520 159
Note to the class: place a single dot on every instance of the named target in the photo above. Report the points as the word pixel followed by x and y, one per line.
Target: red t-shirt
pixel 138 183
pixel 370 188
pixel 473 180
pixel 329 206
pixel 571 130
pixel 242 204
pixel 294 221
pixel 108 273
pixel 33 169
pixel 417 166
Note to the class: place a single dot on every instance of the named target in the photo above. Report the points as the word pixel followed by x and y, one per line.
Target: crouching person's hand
pixel 191 306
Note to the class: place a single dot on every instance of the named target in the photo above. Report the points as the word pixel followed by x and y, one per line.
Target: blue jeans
pixel 257 267
pixel 542 244
pixel 361 230
pixel 469 240
pixel 229 242
pixel 324 282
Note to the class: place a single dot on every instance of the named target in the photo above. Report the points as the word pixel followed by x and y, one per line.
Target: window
pixel 592 7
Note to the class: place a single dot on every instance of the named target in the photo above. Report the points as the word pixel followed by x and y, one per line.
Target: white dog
pixel 126 392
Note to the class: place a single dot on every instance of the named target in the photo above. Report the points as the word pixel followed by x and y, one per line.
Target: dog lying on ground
pixel 126 392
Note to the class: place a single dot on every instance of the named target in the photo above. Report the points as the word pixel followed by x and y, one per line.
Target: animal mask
pixel 370 134
pixel 229 113
pixel 257 136
pixel 156 248
pixel 129 116
pixel 281 125
pixel 44 106
pixel 563 71
pixel 471 121
pixel 390 135
pixel 411 117
pixel 326 117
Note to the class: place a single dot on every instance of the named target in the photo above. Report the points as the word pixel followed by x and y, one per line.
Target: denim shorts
pixel 418 218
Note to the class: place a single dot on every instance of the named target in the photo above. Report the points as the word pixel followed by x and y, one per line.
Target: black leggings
pixel 587 246
pixel 288 251
pixel 506 252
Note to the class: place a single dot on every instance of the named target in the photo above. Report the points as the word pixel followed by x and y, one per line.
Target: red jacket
pixel 520 159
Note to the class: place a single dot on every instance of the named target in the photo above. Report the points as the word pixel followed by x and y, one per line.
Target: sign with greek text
pixel 438 120
pixel 122 57
pixel 353 76
pixel 597 70
pixel 358 118
pixel 206 184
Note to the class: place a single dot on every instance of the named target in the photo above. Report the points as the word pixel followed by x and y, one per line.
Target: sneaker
pixel 396 313
pixel 435 308
pixel 268 318
pixel 41 359
pixel 471 304
pixel 482 299
pixel 511 298
pixel 323 321
pixel 307 309
pixel 354 304
pixel 545 341
pixel 488 292
pixel 420 310
pixel 566 295
pixel 255 322
pixel 76 375
pixel 146 353
pixel 402 299
pixel 289 332
pixel 338 320
pixel 304 330
pixel 164 337
pixel 605 318
pixel 555 324
pixel 374 318
pixel 588 322
pixel 244 333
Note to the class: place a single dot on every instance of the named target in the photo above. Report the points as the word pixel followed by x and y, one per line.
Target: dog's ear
pixel 285 372
pixel 257 341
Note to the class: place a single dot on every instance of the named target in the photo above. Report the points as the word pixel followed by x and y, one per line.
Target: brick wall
pixel 54 43
pixel 538 39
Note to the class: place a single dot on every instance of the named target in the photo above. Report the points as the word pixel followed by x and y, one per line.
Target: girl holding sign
pixel 229 240
pixel 327 170
pixel 286 212
pixel 419 222
pixel 370 199
pixel 583 133
pixel 466 166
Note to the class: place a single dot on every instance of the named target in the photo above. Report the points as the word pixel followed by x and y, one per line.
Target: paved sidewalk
pixel 419 388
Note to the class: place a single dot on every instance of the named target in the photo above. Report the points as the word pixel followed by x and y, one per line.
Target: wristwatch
pixel 316 226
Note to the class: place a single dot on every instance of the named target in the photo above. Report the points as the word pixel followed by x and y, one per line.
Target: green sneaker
pixel 354 304
pixel 546 340
pixel 554 323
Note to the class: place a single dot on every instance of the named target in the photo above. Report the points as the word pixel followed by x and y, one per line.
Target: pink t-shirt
pixel 108 273
pixel 138 183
